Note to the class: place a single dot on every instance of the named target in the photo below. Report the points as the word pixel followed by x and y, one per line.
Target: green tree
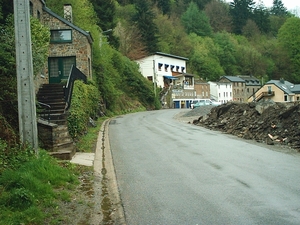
pixel 105 11
pixel 40 36
pixel 173 37
pixel 289 39
pixel 227 47
pixel 204 61
pixel 195 21
pixel 261 18
pixel 218 14
pixel 249 60
pixel 144 19
pixel 278 8
pixel 7 8
pixel 240 11
pixel 164 6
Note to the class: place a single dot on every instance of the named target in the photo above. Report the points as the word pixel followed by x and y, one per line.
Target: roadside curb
pixel 108 206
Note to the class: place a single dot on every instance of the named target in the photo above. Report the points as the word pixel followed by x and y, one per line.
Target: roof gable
pixel 85 33
pixel 286 86
pixel 232 79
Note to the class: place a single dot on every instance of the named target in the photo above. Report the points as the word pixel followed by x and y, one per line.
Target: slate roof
pixel 172 56
pixel 250 80
pixel 286 86
pixel 86 33
pixel 233 79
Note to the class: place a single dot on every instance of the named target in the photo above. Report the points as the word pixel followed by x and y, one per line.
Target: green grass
pixel 87 142
pixel 28 189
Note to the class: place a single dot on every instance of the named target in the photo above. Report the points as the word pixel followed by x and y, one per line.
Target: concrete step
pixel 63 155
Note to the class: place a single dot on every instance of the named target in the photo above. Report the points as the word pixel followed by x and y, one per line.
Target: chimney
pixel 68 12
pixel 282 80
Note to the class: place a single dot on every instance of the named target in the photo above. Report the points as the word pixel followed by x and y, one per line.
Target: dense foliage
pixel 84 106
pixel 250 30
pixel 8 93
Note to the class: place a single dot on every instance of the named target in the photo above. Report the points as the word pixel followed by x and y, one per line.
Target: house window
pixel 285 98
pixel 166 67
pixel 159 66
pixel 177 68
pixel 61 36
pixel 269 89
pixel 38 15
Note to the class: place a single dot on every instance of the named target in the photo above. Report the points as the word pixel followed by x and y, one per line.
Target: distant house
pixel 160 68
pixel 252 84
pixel 277 91
pixel 221 91
pixel 69 44
pixel 202 88
pixel 238 87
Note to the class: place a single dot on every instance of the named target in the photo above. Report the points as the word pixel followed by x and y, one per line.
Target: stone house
pixel 238 87
pixel 69 44
pixel 202 89
pixel 277 91
pixel 252 84
pixel 69 59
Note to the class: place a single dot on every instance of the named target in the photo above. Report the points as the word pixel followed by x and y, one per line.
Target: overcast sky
pixel 289 4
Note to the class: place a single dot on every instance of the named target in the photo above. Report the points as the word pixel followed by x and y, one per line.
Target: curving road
pixel 170 173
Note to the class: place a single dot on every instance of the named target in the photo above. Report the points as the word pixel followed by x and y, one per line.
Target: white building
pixel 161 66
pixel 221 92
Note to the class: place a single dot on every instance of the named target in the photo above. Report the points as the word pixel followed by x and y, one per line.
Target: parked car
pixel 201 102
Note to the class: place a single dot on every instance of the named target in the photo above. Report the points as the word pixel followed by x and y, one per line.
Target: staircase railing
pixel 262 95
pixel 75 74
pixel 46 110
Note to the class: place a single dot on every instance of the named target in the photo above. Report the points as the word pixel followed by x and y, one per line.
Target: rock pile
pixel 267 122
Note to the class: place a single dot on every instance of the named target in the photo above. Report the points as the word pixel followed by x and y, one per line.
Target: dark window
pixel 61 36
pixel 166 67
pixel 159 66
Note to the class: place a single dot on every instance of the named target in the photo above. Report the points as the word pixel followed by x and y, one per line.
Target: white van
pixel 198 102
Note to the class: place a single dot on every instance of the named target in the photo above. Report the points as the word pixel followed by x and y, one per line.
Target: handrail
pixel 263 94
pixel 47 107
pixel 75 74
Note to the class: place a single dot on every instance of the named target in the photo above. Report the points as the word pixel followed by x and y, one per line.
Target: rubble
pixel 266 122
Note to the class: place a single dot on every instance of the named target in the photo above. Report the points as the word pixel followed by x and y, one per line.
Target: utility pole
pixel 26 94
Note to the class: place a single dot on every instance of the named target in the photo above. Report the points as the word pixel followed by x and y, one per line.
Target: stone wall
pixel 80 46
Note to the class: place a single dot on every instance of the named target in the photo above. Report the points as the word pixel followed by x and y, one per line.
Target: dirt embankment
pixel 266 122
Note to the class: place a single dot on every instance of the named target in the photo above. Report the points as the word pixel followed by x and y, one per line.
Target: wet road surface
pixel 170 172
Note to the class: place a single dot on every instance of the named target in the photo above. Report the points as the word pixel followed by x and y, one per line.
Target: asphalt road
pixel 173 173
